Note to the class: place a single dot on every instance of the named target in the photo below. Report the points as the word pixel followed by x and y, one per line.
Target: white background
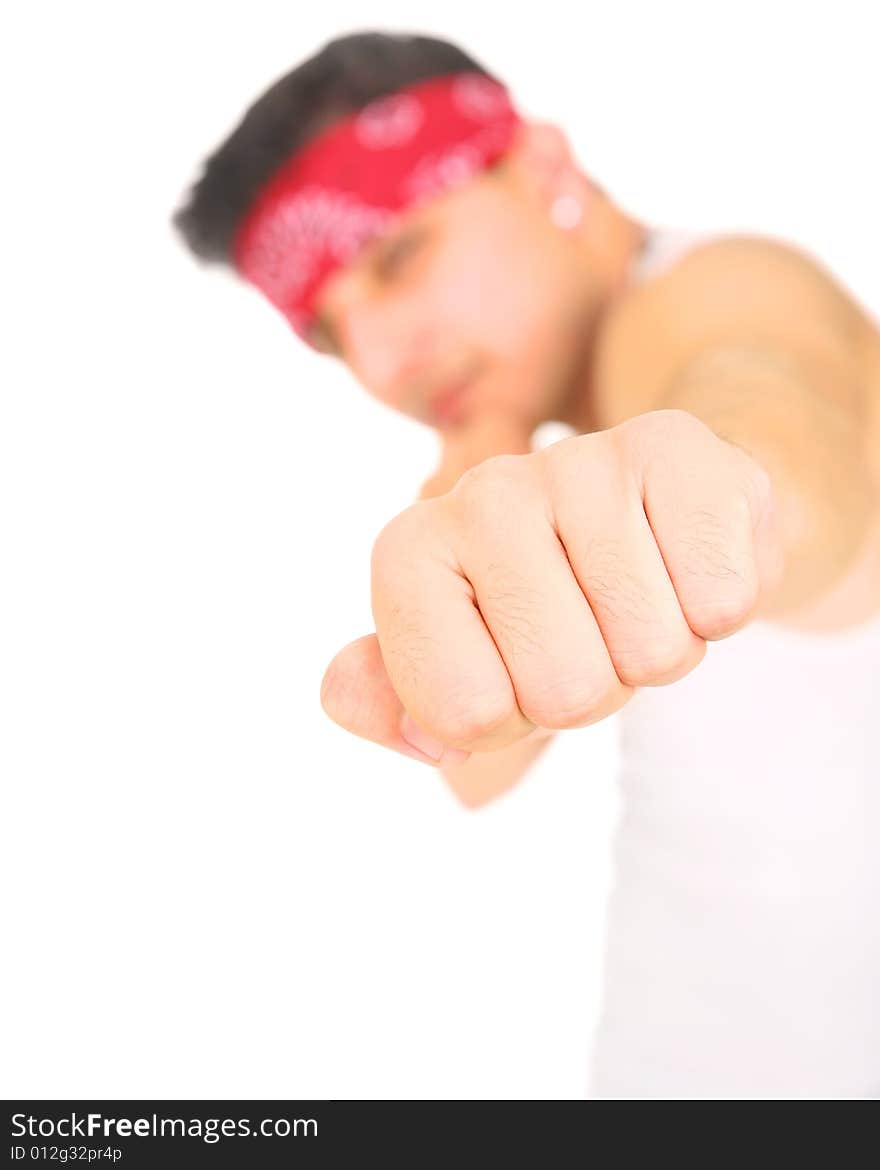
pixel 210 890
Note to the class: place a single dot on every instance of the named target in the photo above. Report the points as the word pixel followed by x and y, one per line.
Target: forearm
pixel 812 444
pixel 486 775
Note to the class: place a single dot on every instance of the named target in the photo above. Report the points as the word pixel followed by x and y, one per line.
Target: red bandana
pixel 348 185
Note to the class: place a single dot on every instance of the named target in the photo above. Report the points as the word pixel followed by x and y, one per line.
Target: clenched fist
pixel 543 587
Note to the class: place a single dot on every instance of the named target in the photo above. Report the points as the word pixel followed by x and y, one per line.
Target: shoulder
pixel 728 290
pixel 751 282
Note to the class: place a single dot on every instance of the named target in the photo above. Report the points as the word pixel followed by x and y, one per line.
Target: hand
pixel 543 588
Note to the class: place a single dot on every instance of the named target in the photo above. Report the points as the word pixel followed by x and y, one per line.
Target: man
pixel 722 479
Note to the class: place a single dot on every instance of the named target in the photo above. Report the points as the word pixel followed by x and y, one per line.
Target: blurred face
pixel 475 302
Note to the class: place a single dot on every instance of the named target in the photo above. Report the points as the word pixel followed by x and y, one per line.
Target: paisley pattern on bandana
pixel 307 226
pixel 348 185
pixel 389 121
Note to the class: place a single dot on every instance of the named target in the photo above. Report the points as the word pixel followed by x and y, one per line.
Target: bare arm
pixel 779 410
pixel 486 775
pixel 774 368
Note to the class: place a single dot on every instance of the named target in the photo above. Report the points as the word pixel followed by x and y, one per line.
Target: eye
pixel 393 258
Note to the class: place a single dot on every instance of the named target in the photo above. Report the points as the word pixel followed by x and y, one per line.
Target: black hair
pixel 343 76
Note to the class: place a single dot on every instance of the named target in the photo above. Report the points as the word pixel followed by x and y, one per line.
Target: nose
pixel 386 351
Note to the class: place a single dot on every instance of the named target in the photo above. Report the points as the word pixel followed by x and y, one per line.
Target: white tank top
pixel 743 930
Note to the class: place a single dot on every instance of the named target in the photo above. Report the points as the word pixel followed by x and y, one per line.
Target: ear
pixel 542 162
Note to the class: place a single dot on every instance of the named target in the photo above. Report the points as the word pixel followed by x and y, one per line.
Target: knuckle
pixel 566 456
pixel 649 424
pixel 573 467
pixel 561 701
pixel 470 717
pixel 486 490
pixel 673 421
pixel 394 545
pixel 386 543
pixel 651 658
pixel 723 611
pixel 658 432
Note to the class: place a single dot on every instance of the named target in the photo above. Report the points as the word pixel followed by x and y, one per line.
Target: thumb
pixel 357 694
